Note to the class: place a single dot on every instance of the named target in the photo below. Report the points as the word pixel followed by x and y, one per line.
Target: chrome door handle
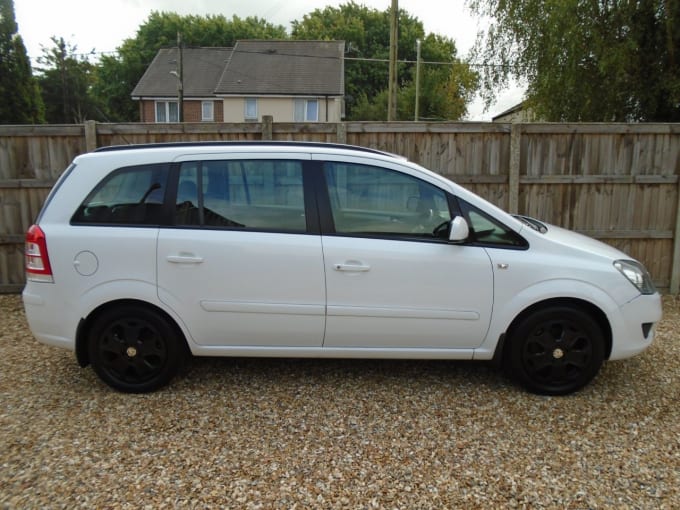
pixel 359 268
pixel 184 259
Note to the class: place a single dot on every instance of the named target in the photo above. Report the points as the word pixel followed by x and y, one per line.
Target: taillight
pixel 38 267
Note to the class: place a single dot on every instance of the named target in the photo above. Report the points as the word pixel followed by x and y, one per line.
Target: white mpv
pixel 145 255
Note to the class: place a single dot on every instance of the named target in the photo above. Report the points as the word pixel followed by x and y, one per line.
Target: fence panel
pixel 615 182
pixel 38 152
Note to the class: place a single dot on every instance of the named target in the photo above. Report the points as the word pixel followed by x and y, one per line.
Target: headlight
pixel 637 275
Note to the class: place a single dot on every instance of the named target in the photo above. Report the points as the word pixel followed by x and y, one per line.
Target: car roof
pixel 249 143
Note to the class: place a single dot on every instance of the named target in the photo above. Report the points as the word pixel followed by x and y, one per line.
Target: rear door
pixel 393 281
pixel 243 263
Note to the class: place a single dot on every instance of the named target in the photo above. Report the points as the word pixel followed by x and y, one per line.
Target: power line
pixel 325 57
pixel 368 59
pixel 429 62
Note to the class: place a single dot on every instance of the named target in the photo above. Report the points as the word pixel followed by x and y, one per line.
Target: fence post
pixel 341 132
pixel 90 135
pixel 267 127
pixel 675 264
pixel 513 170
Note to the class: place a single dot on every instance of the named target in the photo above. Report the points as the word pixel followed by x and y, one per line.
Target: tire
pixel 555 351
pixel 134 349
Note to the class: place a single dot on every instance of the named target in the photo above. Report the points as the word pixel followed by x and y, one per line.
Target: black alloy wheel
pixel 556 351
pixel 134 349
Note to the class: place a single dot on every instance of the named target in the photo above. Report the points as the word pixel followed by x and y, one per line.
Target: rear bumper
pixel 47 316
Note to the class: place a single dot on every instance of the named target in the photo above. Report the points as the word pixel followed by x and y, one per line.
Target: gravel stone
pixel 294 434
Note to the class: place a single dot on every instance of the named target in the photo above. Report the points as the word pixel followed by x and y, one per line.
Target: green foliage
pixel 66 84
pixel 586 60
pixel 366 34
pixel 442 97
pixel 20 101
pixel 446 96
pixel 117 76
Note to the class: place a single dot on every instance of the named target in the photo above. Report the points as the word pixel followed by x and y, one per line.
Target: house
pixel 157 90
pixel 293 81
pixel 517 113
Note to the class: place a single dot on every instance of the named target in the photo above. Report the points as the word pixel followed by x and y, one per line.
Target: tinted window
pixel 132 195
pixel 372 200
pixel 487 230
pixel 254 194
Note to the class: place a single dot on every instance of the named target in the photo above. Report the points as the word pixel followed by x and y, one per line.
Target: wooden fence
pixel 615 182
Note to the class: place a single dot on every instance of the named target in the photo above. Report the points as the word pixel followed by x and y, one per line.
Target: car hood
pixel 575 241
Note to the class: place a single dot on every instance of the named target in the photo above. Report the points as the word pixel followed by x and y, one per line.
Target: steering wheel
pixel 440 229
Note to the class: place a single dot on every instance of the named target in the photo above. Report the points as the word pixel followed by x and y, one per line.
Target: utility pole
pixel 180 80
pixel 64 85
pixel 392 85
pixel 417 80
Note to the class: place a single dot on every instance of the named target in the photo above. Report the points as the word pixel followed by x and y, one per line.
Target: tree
pixel 586 60
pixel 117 75
pixel 20 101
pixel 442 97
pixel 66 84
pixel 366 34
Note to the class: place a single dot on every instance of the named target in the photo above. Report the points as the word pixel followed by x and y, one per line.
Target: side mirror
pixel 459 230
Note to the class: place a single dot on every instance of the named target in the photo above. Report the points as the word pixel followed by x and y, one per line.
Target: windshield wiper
pixel 532 222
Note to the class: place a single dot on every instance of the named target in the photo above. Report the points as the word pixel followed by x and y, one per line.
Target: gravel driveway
pixel 263 433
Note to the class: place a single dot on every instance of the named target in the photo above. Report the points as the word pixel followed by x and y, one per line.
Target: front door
pixel 392 280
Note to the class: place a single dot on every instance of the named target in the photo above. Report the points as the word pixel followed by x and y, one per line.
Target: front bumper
pixel 635 318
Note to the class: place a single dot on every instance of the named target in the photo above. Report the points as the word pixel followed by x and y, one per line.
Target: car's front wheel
pixel 134 349
pixel 555 351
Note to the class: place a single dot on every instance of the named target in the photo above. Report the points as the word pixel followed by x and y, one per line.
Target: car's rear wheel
pixel 134 349
pixel 555 351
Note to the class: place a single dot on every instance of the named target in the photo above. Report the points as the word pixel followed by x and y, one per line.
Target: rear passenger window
pixel 129 196
pixel 248 194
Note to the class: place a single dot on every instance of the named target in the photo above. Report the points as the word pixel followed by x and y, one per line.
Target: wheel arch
pixel 85 325
pixel 592 310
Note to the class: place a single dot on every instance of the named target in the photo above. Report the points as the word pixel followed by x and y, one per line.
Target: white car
pixel 145 255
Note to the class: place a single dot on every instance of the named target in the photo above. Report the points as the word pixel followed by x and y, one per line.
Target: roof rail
pixel 242 143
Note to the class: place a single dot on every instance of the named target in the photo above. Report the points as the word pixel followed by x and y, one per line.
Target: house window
pixel 166 111
pixel 306 110
pixel 207 111
pixel 250 112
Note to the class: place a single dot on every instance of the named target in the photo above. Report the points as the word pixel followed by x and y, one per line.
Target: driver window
pixel 368 200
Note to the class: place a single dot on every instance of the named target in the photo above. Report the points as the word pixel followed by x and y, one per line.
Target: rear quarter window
pixel 128 196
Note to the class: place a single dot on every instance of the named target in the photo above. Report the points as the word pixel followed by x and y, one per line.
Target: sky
pixel 103 25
